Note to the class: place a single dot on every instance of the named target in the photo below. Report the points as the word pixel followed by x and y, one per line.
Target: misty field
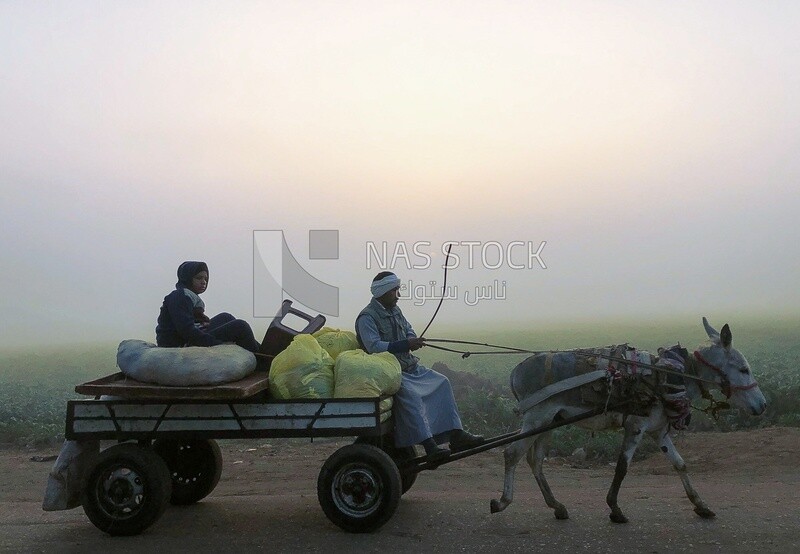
pixel 35 384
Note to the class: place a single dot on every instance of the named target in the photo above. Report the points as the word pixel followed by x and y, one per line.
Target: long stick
pixel 444 287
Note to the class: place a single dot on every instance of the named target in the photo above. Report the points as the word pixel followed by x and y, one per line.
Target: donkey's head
pixel 730 368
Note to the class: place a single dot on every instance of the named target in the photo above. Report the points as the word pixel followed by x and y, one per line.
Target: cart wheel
pixel 127 490
pixel 359 488
pixel 194 465
pixel 399 455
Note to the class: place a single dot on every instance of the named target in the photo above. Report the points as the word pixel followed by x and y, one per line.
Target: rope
pixel 510 348
pixel 468 354
pixel 712 409
pixel 714 406
pixel 578 352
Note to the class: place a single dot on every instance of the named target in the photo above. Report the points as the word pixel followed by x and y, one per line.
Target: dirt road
pixel 266 500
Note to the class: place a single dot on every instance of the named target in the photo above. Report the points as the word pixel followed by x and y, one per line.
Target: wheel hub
pixel 186 468
pixel 122 491
pixel 356 490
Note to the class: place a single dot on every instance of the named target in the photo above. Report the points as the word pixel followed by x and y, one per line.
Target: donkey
pixel 718 363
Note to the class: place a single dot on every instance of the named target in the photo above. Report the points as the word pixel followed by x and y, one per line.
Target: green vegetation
pixel 35 385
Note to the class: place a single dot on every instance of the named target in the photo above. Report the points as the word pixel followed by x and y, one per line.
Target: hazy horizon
pixel 651 146
pixel 664 330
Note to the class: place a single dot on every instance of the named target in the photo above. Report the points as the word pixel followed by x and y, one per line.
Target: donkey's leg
pixel 634 432
pixel 668 448
pixel 512 455
pixel 535 460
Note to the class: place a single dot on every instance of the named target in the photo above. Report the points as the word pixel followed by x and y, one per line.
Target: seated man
pixel 424 408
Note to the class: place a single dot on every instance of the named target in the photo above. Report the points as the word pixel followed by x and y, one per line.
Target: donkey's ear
pixel 712 333
pixel 725 336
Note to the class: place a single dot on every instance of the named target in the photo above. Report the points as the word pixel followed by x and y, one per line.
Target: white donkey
pixel 718 363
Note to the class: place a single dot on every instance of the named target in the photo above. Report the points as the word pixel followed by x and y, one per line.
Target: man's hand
pixel 415 343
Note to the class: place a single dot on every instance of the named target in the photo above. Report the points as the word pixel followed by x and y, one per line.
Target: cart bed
pixel 120 385
pixel 213 419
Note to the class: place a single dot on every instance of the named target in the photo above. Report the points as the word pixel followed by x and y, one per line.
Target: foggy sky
pixel 652 145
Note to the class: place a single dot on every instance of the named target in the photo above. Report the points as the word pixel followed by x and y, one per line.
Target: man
pixel 424 409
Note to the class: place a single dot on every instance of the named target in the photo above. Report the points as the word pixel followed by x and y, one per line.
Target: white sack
pixel 191 365
pixel 65 482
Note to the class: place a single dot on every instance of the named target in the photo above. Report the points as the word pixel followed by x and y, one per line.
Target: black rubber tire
pixel 359 488
pixel 399 455
pixel 195 467
pixel 127 489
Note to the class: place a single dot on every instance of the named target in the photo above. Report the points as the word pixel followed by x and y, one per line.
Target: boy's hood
pixel 186 271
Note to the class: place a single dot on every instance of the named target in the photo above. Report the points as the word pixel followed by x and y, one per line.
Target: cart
pixel 167 453
pixel 166 449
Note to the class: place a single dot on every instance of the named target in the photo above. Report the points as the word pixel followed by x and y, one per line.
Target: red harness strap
pixel 727 388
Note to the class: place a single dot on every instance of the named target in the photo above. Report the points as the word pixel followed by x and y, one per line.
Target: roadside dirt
pixel 267 500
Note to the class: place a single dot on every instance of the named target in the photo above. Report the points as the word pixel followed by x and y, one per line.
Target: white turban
pixel 382 286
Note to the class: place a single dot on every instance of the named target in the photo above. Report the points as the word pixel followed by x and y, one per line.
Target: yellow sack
pixel 336 341
pixel 303 370
pixel 360 375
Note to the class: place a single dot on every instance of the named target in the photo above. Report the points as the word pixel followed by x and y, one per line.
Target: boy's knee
pixel 241 327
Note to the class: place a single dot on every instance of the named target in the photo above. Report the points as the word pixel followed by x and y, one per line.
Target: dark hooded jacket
pixel 176 320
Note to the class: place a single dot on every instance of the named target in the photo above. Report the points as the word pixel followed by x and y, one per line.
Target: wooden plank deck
pixel 120 385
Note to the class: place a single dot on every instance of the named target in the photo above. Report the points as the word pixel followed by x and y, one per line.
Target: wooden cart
pixel 167 449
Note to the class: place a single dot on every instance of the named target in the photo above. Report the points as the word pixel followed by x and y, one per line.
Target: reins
pixel 578 352
pixel 714 407
pixel 467 353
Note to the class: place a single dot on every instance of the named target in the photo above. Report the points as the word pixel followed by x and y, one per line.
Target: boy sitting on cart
pixel 182 320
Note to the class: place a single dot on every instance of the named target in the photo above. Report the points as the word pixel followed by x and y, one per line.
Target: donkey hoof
pixel 561 513
pixel 494 506
pixel 618 517
pixel 705 513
